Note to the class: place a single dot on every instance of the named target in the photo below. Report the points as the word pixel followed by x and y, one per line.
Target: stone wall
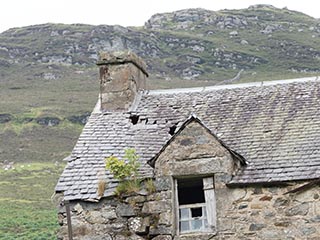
pixel 242 213
pixel 145 214
pixel 268 213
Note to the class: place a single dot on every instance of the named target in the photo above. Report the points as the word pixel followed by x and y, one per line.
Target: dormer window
pixel 195 205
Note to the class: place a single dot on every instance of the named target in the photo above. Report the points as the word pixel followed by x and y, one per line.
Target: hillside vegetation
pixel 49 83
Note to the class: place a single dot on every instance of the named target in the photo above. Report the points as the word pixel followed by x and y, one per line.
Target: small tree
pixel 126 167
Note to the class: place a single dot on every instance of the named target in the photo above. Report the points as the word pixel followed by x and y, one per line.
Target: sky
pixel 18 13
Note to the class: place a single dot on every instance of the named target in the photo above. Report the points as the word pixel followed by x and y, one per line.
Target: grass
pixel 69 94
pixel 26 209
pixel 38 143
pixel 21 220
pixel 150 186
pixel 128 187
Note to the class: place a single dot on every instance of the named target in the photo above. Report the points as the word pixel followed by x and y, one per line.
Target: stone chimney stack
pixel 122 75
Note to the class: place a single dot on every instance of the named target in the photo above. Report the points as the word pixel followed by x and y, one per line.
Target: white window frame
pixel 190 221
pixel 208 219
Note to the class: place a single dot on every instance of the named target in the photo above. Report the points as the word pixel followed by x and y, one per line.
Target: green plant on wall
pixel 126 171
pixel 128 187
pixel 126 167
pixel 150 186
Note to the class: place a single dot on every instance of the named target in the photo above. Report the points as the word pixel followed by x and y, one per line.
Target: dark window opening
pixel 155 122
pixel 134 119
pixel 190 191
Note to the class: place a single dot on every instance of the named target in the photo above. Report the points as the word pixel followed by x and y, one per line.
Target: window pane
pixel 184 213
pixel 196 225
pixel 184 226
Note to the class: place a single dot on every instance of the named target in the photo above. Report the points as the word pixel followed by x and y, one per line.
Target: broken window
pixel 196 205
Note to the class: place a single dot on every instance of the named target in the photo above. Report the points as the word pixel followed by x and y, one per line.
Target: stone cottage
pixel 224 162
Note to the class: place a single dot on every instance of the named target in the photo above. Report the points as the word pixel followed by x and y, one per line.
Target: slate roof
pixel 275 126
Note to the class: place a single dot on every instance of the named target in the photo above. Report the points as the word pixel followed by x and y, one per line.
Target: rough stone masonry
pixel 243 213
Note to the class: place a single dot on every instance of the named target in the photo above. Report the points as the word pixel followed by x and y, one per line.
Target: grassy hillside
pixel 26 209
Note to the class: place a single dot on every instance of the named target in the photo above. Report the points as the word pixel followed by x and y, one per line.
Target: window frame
pixel 209 204
pixel 190 219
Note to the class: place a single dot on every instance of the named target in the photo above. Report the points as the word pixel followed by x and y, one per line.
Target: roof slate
pixel 275 127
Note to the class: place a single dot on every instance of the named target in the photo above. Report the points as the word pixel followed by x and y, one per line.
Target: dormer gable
pixel 195 150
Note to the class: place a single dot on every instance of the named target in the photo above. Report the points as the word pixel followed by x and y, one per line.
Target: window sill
pixel 198 236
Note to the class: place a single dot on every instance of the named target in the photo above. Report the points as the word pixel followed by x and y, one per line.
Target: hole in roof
pixel 147 120
pixel 134 119
pixel 172 129
pixel 155 122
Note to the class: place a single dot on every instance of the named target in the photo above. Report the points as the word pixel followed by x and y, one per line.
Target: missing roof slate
pixel 172 129
pixel 134 119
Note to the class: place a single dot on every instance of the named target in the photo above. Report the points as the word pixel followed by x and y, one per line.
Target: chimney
pixel 122 75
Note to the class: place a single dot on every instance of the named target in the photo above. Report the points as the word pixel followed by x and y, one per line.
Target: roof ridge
pixel 231 86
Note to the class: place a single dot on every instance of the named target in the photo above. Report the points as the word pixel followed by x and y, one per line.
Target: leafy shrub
pixel 124 168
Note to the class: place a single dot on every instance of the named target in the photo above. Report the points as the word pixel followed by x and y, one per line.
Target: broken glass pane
pixel 196 212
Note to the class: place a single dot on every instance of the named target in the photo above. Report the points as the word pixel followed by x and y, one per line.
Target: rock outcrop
pixel 180 44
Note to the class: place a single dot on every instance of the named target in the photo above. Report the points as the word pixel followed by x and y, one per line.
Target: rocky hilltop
pixel 48 78
pixel 189 44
